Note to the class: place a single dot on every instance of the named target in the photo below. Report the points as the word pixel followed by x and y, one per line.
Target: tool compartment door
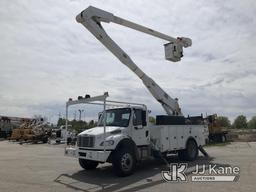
pixel 173 139
pixel 164 138
pixel 181 138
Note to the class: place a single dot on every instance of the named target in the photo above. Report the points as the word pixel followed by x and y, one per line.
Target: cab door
pixel 140 133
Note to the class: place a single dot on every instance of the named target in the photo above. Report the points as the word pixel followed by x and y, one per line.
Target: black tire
pixel 124 162
pixel 191 151
pixel 88 164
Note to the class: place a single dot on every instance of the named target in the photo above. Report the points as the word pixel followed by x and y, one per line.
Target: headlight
pixel 107 143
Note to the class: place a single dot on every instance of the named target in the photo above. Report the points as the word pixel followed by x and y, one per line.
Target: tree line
pixel 77 125
pixel 240 122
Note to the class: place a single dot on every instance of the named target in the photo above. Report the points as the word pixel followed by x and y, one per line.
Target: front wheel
pixel 124 162
pixel 88 164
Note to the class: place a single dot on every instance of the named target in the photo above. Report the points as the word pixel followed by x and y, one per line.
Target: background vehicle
pixel 66 135
pixel 217 133
pixel 33 131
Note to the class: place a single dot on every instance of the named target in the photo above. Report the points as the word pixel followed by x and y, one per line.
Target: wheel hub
pixel 126 162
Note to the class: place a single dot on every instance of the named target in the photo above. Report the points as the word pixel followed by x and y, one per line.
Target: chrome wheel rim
pixel 126 162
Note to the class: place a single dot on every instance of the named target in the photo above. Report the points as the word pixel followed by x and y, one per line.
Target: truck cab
pixel 126 129
pixel 120 123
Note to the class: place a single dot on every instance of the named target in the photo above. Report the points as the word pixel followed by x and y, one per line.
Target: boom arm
pixel 92 17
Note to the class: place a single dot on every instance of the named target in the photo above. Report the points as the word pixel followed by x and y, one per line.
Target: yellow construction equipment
pixel 217 133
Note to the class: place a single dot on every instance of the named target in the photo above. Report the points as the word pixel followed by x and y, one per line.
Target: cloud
pixel 46 57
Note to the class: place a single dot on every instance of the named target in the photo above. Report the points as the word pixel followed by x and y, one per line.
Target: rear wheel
pixel 88 164
pixel 191 151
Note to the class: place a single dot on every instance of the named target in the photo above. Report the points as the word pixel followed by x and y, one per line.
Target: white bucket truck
pixel 124 135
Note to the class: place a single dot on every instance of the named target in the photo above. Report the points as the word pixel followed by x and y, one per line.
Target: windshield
pixel 116 117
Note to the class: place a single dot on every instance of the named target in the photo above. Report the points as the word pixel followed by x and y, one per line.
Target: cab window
pixel 137 117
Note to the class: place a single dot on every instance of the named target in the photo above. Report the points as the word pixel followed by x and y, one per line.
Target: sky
pixel 47 57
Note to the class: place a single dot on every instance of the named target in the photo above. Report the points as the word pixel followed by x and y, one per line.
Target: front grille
pixel 85 141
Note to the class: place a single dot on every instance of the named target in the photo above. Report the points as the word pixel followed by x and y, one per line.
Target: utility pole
pixel 75 115
pixel 80 113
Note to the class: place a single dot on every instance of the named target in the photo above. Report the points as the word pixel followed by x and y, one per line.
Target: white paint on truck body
pixel 174 137
pixel 166 138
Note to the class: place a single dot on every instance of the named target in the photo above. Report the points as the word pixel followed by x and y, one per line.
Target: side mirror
pixel 144 118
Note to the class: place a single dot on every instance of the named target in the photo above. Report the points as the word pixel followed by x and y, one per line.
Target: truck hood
pixel 100 130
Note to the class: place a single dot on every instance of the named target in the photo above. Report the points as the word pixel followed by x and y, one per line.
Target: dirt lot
pixel 43 167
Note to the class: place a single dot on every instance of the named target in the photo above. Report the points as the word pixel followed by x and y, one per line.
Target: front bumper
pixel 94 155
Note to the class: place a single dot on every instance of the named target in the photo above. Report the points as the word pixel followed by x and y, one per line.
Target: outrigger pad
pixel 201 149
